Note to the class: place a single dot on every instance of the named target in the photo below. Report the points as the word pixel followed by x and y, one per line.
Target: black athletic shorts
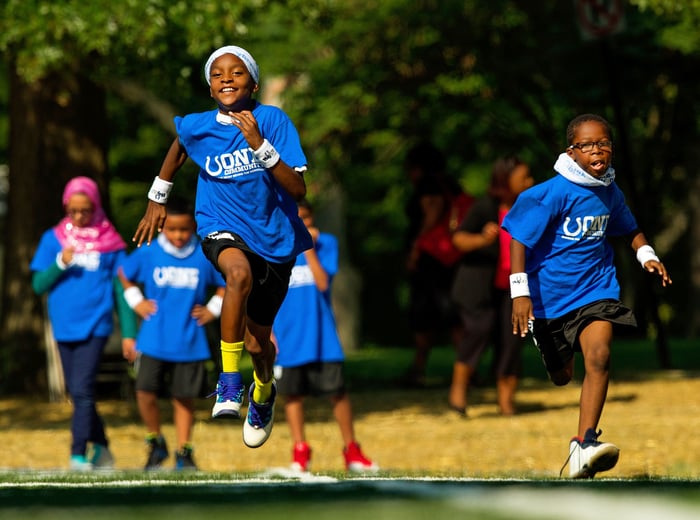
pixel 557 339
pixel 181 380
pixel 270 280
pixel 314 379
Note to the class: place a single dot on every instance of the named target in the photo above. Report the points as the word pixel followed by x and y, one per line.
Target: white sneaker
pixel 258 424
pixel 589 456
pixel 80 463
pixel 101 457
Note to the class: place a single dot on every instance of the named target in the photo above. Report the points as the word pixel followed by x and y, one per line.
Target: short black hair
pixel 179 206
pixel 584 118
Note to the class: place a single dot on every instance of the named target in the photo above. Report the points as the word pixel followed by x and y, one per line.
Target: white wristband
pixel 214 305
pixel 160 190
pixel 60 263
pixel 646 253
pixel 133 296
pixel 267 154
pixel 518 285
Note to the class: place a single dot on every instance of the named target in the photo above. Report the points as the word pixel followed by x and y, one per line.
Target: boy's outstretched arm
pixel 519 290
pixel 647 257
pixel 154 217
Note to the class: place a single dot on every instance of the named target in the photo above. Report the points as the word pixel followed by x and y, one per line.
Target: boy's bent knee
pixel 238 278
pixel 560 377
pixel 559 381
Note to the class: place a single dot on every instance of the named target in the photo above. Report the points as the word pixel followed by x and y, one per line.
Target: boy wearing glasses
pixel 563 282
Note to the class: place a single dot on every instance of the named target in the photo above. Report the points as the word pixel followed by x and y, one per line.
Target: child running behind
pixel 563 280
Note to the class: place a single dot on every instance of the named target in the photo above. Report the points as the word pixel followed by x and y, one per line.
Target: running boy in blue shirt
pixel 172 341
pixel 251 175
pixel 563 280
pixel 310 357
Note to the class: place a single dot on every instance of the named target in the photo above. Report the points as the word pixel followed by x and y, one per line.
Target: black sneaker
pixel 157 452
pixel 184 460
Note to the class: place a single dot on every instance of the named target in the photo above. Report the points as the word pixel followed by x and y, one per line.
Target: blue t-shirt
pixel 564 226
pixel 235 192
pixel 81 302
pixel 176 285
pixel 305 324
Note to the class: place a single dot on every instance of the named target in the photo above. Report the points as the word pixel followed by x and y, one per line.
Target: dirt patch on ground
pixel 655 424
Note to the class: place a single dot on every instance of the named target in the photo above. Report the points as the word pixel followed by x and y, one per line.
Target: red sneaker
pixel 301 457
pixel 356 461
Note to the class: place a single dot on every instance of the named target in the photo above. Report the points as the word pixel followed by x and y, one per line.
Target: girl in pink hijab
pixel 87 229
pixel 76 265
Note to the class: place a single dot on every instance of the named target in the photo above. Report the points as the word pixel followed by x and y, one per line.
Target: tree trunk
pixel 57 131
pixel 694 290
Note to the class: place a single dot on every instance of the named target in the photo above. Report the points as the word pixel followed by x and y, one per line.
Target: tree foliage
pixel 364 80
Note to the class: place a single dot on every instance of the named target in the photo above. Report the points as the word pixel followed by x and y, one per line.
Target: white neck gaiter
pixel 567 167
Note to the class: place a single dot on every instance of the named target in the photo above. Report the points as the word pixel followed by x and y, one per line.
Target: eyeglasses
pixel 79 211
pixel 588 147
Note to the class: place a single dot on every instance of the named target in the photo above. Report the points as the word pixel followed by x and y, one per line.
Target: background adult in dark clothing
pixel 434 210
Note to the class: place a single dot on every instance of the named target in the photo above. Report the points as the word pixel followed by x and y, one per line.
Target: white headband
pixel 239 52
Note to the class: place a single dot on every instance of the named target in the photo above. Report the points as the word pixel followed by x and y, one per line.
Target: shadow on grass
pixel 373 380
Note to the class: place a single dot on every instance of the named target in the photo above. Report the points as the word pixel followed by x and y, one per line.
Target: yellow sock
pixel 262 391
pixel 231 356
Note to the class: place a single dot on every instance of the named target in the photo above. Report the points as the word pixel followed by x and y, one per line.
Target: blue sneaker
pixel 184 459
pixel 229 396
pixel 157 452
pixel 101 457
pixel 258 424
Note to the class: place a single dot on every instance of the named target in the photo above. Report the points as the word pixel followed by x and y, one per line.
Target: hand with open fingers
pixel 152 221
pixel 654 266
pixel 522 314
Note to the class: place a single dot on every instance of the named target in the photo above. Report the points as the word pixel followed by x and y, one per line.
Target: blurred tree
pixel 481 80
pixel 63 59
pixel 364 80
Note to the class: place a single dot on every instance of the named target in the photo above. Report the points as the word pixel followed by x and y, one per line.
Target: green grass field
pixel 391 495
pixel 136 496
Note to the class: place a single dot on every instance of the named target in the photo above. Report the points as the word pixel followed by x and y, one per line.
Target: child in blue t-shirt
pixel 176 278
pixel 251 175
pixel 310 357
pixel 76 264
pixel 563 282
